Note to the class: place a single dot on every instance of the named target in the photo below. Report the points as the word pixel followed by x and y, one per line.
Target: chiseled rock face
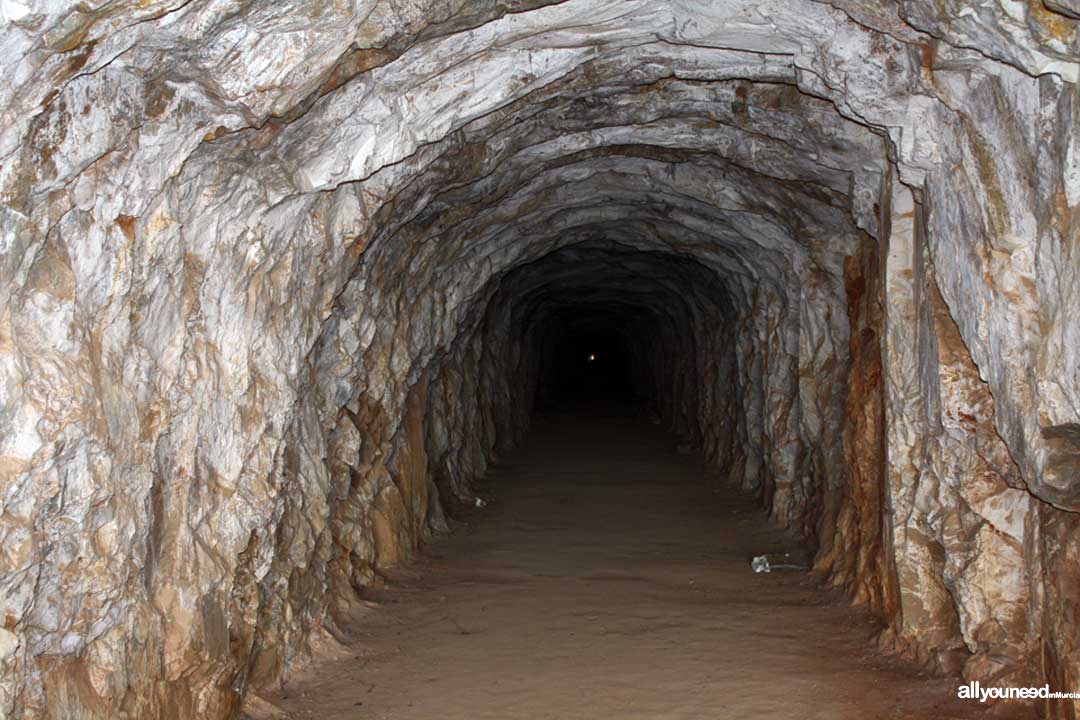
pixel 277 280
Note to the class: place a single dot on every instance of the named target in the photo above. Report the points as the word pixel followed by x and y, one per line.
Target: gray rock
pixel 266 308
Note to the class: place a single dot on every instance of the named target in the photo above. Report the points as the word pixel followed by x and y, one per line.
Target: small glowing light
pixel 592 358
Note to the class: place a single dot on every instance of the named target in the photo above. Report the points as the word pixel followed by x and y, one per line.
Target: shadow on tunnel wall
pixel 278 281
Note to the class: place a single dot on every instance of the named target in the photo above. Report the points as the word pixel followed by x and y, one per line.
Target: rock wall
pixel 276 279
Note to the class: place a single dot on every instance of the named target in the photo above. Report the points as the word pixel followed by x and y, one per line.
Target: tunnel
pixel 301 299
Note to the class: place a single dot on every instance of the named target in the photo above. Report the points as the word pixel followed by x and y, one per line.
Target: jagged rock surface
pixel 276 278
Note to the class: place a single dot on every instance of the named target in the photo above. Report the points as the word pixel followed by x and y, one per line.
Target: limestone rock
pixel 276 281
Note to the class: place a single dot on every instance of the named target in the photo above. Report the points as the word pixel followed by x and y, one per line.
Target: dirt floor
pixel 608 579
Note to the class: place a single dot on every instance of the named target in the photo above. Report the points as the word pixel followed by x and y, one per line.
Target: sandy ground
pixel 607 579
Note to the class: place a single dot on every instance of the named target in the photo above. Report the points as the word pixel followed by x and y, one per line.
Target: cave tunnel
pixel 613 326
pixel 462 358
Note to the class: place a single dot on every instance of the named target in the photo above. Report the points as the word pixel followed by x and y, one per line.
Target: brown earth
pixel 607 578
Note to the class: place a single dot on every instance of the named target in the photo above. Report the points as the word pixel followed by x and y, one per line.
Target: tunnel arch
pixel 261 311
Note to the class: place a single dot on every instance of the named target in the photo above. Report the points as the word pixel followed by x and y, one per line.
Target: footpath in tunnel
pixel 285 284
pixel 608 578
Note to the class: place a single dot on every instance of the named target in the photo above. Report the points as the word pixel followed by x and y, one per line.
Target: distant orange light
pixel 592 357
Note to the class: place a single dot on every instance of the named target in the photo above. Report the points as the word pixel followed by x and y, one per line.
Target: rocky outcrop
pixel 278 279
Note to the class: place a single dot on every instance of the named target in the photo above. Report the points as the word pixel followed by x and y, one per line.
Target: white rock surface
pixel 266 311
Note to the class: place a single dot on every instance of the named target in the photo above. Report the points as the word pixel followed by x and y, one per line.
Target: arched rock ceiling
pixel 252 136
pixel 616 283
pixel 224 221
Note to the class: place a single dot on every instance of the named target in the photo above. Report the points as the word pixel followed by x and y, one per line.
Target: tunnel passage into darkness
pixel 613 325
pixel 593 353
pixel 727 234
pixel 279 285
pixel 723 259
